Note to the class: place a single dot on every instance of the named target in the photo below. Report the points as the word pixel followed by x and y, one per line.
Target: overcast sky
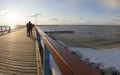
pixel 61 11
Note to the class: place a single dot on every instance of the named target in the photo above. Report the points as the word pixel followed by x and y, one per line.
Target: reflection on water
pixel 95 36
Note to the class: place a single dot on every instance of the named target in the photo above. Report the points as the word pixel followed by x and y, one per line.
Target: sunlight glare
pixel 12 19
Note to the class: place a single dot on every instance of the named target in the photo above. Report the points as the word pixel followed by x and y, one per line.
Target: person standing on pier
pixel 29 26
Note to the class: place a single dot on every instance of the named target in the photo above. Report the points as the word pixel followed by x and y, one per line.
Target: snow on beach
pixel 108 58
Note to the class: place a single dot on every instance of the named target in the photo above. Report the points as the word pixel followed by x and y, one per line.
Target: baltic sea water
pixel 95 36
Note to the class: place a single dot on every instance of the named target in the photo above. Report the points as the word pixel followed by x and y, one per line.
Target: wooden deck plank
pixel 17 54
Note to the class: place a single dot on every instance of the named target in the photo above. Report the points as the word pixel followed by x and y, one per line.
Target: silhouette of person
pixel 29 26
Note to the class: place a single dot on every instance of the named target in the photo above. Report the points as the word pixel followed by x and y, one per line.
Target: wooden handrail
pixel 66 62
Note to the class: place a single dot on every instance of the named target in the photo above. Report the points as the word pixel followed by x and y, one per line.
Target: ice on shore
pixel 107 61
pixel 107 58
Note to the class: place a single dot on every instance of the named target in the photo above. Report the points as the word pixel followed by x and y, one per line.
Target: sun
pixel 12 19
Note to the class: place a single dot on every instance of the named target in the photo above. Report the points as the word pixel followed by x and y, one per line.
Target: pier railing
pixel 4 29
pixel 57 60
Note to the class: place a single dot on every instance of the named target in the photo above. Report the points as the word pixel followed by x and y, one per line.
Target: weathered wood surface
pixel 17 54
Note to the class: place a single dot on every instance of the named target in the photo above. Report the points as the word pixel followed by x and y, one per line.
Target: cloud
pixel 69 21
pixel 74 3
pixel 110 4
pixel 83 21
pixel 117 16
pixel 116 19
pixel 57 21
pixel 71 1
pixel 54 19
pixel 3 10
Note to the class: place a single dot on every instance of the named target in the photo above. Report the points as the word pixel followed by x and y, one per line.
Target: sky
pixel 77 12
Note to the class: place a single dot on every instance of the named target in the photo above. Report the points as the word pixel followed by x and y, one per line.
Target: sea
pixel 97 45
pixel 90 36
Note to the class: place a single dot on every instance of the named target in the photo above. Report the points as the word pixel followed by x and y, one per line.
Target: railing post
pixel 38 38
pixel 46 58
pixel 0 28
pixel 9 30
pixel 5 28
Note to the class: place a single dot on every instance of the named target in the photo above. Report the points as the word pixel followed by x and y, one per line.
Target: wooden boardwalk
pixel 17 54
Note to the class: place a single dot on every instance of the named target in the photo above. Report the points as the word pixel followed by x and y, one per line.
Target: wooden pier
pixel 22 55
pixel 17 54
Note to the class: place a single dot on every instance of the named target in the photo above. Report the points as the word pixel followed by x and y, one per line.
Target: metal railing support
pixel 40 45
pixel 46 57
pixel 38 38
